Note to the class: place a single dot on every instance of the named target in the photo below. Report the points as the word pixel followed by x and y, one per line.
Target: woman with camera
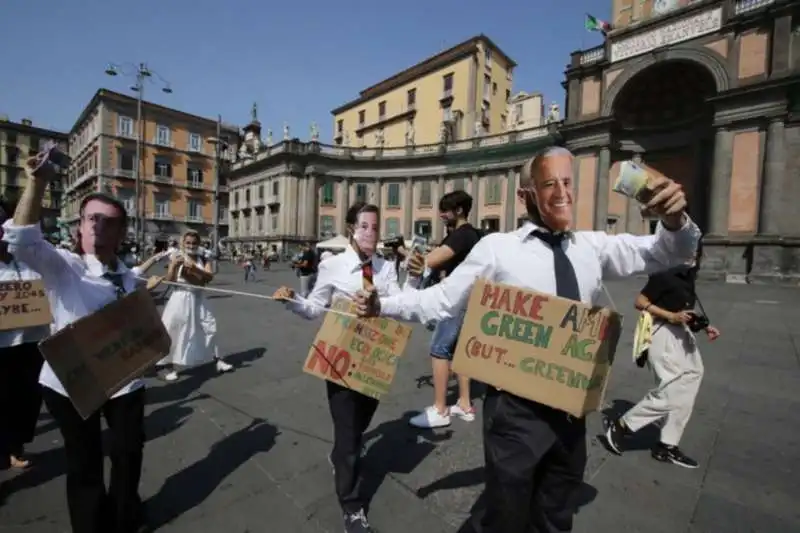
pixel 670 298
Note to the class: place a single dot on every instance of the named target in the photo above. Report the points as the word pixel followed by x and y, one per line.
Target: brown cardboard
pixel 23 304
pixel 538 346
pixel 361 355
pixel 99 354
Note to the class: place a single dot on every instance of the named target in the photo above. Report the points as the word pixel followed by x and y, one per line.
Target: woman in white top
pixel 190 323
pixel 342 276
pixel 20 364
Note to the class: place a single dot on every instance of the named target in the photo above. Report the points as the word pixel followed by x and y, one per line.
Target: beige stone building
pixel 20 140
pixel 707 92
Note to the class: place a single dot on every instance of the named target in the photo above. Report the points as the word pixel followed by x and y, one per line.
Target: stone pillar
pixel 437 228
pixel 408 209
pixel 720 190
pixel 511 200
pixel 772 180
pixel 311 200
pixel 601 190
pixel 343 201
pixel 475 188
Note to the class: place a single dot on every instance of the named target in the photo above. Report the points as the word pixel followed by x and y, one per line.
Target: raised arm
pixel 449 297
pixel 24 234
pixel 627 255
pixel 142 269
pixel 320 297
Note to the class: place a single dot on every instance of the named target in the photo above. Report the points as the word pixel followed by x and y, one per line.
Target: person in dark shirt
pixel 674 358
pixel 307 270
pixel 461 237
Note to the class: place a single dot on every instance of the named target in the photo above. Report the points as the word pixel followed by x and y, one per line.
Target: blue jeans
pixel 443 342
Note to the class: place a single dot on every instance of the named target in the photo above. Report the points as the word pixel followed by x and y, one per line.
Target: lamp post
pixel 221 144
pixel 141 73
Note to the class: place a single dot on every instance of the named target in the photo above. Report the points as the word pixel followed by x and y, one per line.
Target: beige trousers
pixel 678 368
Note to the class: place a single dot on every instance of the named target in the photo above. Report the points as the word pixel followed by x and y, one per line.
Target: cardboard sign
pixel 99 354
pixel 23 304
pixel 358 354
pixel 538 346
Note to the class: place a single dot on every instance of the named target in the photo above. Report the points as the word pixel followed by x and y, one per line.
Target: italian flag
pixel 595 24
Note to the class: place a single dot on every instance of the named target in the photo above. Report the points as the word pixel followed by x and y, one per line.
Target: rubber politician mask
pixel 365 233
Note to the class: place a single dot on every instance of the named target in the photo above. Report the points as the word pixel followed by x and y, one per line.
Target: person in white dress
pixel 191 325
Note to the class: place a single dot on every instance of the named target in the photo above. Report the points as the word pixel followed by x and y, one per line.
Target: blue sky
pixel 297 59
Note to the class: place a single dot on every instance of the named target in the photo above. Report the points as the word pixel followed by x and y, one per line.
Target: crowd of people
pixel 535 455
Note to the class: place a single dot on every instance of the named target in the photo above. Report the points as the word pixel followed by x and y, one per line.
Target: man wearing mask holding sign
pixel 79 284
pixel 342 276
pixel 535 455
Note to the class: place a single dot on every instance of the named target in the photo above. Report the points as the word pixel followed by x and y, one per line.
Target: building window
pixel 274 222
pixel 361 192
pixel 260 223
pixel 124 126
pixel 126 160
pixel 195 143
pixel 392 227
pixel 494 189
pixel 339 126
pixel 34 144
pixel 194 209
pixel 458 184
pixel 362 117
pixel 488 57
pixel 161 205
pixel 162 168
pixel 423 228
pixel 411 99
pixel 126 196
pixel 487 87
pixel 163 135
pixel 326 225
pixel 518 113
pixel 447 114
pixel 393 195
pixel 490 225
pixel 247 196
pixel 382 110
pixel 447 85
pixel 327 193
pixel 194 176
pixel 521 221
pixel 275 188
pixel 425 194
pixel 611 225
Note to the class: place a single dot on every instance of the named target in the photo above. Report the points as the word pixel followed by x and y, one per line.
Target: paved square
pixel 246 452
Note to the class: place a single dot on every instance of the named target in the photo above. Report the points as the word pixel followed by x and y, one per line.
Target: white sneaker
pixel 430 418
pixel 222 366
pixel 171 376
pixel 465 415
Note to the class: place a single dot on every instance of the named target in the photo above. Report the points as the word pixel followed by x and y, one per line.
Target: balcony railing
pixel 194 219
pixel 160 215
pixel 89 175
pixel 366 153
pixel 161 179
pixel 195 184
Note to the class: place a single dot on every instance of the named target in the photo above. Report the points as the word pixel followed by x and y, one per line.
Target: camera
pixel 698 323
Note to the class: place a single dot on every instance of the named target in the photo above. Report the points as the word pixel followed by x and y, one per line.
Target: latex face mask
pixel 365 233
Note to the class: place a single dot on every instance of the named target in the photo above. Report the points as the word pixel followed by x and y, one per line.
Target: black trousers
pixel 20 397
pixel 352 413
pixel 92 508
pixel 535 458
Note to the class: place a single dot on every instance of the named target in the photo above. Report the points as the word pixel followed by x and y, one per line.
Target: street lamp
pixel 141 73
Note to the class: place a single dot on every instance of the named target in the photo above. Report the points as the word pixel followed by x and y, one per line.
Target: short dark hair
pixel 357 208
pixel 106 199
pixel 453 201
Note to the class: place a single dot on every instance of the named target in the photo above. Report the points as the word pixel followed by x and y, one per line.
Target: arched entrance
pixel 662 116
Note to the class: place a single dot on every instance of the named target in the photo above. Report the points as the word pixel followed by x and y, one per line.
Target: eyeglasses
pixel 99 218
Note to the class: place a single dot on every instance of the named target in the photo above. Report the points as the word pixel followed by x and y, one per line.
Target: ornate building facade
pixel 707 92
pixel 293 192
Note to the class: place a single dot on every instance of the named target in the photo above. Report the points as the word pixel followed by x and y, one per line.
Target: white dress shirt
pixel 520 259
pixel 74 284
pixel 341 276
pixel 19 271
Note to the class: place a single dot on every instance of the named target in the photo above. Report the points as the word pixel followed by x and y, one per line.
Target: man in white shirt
pixel 342 276
pixel 77 286
pixel 535 455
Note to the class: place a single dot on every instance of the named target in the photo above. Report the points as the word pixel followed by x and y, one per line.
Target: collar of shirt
pixel 354 260
pixel 525 232
pixel 96 268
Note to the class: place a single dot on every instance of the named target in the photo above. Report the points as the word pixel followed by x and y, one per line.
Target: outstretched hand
pixel 668 202
pixel 284 294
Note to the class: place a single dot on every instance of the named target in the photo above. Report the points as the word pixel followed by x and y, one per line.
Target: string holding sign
pixel 250 295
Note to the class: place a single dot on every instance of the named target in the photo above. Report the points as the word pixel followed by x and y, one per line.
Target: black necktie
pixel 566 280
pixel 116 279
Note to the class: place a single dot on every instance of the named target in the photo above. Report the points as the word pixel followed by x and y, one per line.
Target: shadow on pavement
pixel 382 458
pixel 191 486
